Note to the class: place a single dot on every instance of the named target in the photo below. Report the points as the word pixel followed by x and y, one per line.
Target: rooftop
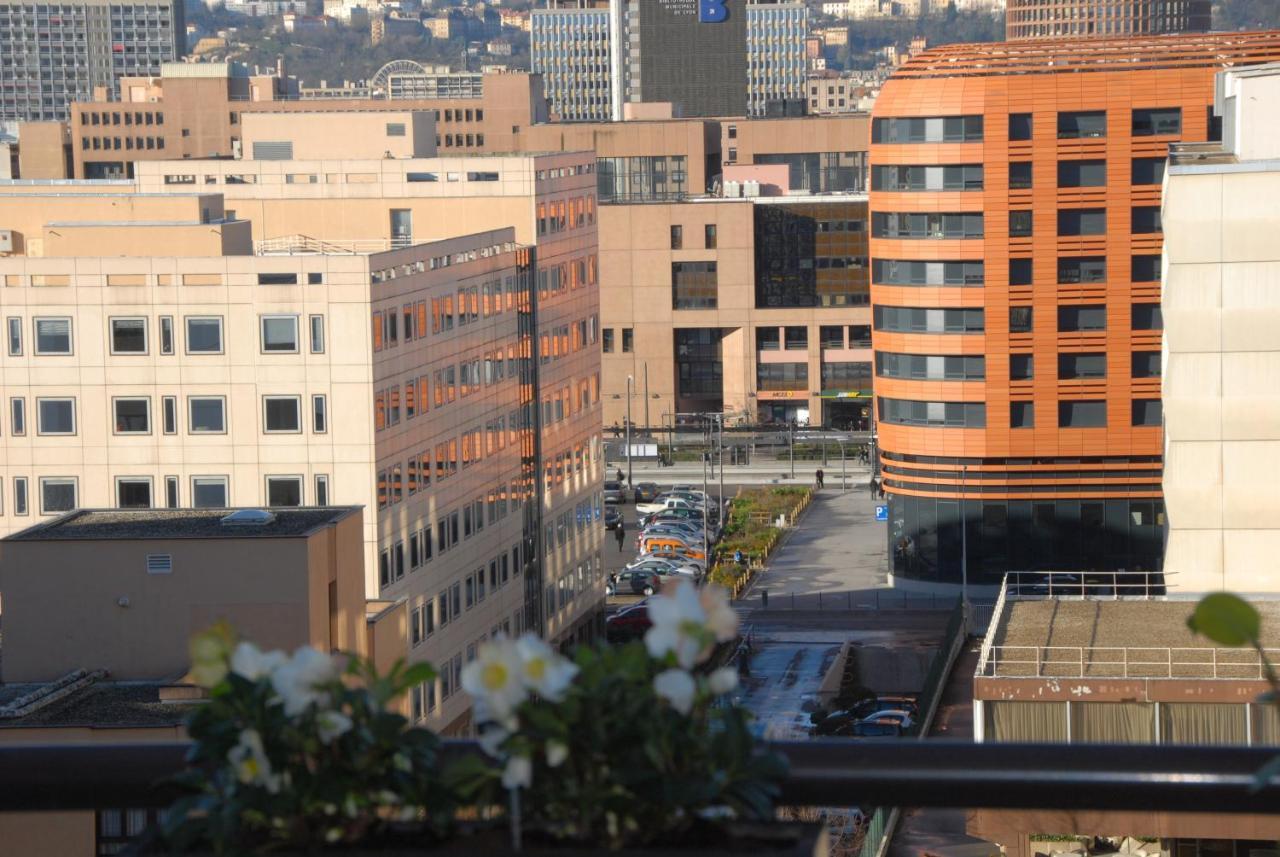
pixel 101 704
pixel 179 524
pixel 1071 56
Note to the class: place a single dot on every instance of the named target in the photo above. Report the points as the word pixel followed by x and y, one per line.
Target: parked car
pixel 613 492
pixel 835 723
pixel 681 561
pixel 671 545
pixel 666 502
pixel 633 583
pixel 612 518
pixel 902 718
pixel 675 515
pixel 664 567
pixel 645 492
pixel 873 730
pixel 630 623
pixel 867 707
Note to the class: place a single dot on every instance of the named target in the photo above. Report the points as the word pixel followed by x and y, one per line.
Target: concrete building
pixel 1076 670
pixel 599 55
pixel 1108 19
pixel 451 387
pixel 52 54
pixel 194 110
pixel 1220 345
pixel 1016 241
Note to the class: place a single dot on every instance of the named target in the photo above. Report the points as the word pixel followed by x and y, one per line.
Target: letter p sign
pixel 712 11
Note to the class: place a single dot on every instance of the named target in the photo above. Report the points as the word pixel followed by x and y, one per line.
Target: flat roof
pixel 103 524
pixel 101 705
pixel 1071 56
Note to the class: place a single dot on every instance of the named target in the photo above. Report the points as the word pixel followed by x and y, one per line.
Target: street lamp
pixel 630 380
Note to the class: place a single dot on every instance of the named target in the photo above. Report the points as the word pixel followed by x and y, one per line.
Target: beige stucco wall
pixel 342 134
pixel 47 834
pixel 42 150
pixel 142 239
pixel 1221 404
pixel 26 211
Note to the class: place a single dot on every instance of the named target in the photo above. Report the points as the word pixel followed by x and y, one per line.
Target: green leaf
pixel 417 674
pixel 1226 619
pixel 1266 774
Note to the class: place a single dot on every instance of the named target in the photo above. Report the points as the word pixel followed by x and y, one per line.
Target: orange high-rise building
pixel 1015 245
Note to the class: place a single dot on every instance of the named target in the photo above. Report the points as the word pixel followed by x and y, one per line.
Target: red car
pixel 628 624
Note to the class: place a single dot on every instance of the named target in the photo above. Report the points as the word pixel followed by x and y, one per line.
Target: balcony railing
pixel 832 773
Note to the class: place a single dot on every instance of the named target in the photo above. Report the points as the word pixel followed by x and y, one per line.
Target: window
pixel 677 237
pixel 628 340
pixel 951 414
pixel 1073 367
pixel 1019 175
pixel 276 278
pixel 1072 319
pixel 1146 412
pixel 15 336
pixel 169 414
pixel 319 414
pixel 693 285
pixel 1020 319
pixel 281 414
pixel 1022 415
pixel 53 335
pixel 926 225
pixel 1147 317
pixel 315 278
pixel 1146 364
pixel 166 334
pixel 1145 220
pixel 927 320
pixel 1020 224
pixel 1157 121
pixel 782 376
pixel 55 416
pixel 204 334
pixel 1021 367
pixel 284 490
pixel 1145 269
pixel 1082 221
pixel 1077 124
pixel 133 492
pixel 796 338
pixel 1082 269
pixel 1019 126
pixel 1020 272
pixel 171 492
pixel 280 334
pixel 932 367
pixel 317 334
pixel 903 272
pixel 1082 173
pixel 934 129
pixel 1082 414
pixel 206 414
pixel 1147 171
pixel 607 341
pixel 322 489
pixel 19 495
pixel 395 129
pixel 930 178
pixel 57 494
pixel 18 416
pixel 709 236
pixel 132 415
pixel 209 492
pixel 767 339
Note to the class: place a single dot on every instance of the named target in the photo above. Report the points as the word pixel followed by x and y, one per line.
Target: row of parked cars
pixel 873 717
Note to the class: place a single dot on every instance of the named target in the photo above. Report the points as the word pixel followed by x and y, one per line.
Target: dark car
pixel 647 492
pixel 612 518
pixel 873 729
pixel 628 624
pixel 836 723
pixel 633 583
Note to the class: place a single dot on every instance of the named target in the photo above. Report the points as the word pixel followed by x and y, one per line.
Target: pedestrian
pixel 617 430
pixel 737 557
pixel 818 477
pixel 619 474
pixel 621 534
pixel 874 485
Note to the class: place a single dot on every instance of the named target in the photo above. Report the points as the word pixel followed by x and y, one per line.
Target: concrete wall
pixel 42 150
pixel 324 134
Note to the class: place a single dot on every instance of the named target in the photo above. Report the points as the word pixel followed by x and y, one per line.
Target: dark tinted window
pixel 1146 412
pixel 1146 364
pixel 927 320
pixel 1019 174
pixel 902 272
pixel 1075 366
pixel 1082 221
pixel 1145 269
pixel 933 129
pixel 1092 123
pixel 1078 318
pixel 1020 224
pixel 1021 367
pixel 1022 415
pixel 1020 272
pixel 1082 414
pixel 1146 220
pixel 1156 121
pixel 1082 173
pixel 1147 171
pixel 1020 319
pixel 1147 317
pixel 1019 126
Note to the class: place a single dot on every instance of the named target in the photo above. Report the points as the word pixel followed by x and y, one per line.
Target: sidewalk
pixel 838 550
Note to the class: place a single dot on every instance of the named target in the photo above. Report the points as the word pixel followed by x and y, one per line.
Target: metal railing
pixel 1123 662
pixel 909 773
pixel 305 245
pixel 1097 585
pixel 849 600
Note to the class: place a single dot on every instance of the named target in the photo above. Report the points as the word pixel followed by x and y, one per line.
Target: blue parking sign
pixel 882 512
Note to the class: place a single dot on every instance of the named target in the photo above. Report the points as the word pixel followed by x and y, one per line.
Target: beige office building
pixel 1222 345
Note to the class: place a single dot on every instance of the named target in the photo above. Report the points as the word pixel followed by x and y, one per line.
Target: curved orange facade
pixel 1016 260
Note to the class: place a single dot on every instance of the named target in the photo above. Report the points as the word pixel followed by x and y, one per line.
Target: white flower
pixel 296 681
pixel 676 687
pixel 721 618
pixel 545 671
pixel 492 737
pixel 557 752
pixel 722 681
pixel 494 678
pixel 252 663
pixel 250 762
pixel 518 774
pixel 331 725
pixel 678 626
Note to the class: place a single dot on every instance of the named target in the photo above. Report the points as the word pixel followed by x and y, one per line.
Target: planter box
pixel 769 840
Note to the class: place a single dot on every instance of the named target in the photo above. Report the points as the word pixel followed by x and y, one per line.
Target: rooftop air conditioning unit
pixel 6 240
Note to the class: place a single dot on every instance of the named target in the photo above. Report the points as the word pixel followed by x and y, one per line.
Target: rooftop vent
pixel 249 518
